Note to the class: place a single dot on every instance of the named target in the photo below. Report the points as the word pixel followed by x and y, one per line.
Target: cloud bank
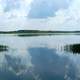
pixel 46 8
pixel 12 8
pixel 30 14
pixel 67 19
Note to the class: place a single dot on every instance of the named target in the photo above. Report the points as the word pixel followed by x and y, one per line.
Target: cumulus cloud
pixel 64 19
pixel 67 19
pixel 16 15
pixel 15 7
pixel 46 8
pixel 13 13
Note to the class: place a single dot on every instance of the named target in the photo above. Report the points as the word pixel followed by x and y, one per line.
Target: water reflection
pixel 32 35
pixel 3 48
pixel 74 48
pixel 14 63
pixel 50 66
pixel 39 58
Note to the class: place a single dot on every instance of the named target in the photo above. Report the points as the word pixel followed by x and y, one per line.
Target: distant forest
pixel 36 31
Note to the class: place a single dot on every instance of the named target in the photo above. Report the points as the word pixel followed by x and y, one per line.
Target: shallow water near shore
pixel 52 57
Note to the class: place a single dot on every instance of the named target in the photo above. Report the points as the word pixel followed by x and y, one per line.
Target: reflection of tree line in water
pixel 74 48
pixel 3 48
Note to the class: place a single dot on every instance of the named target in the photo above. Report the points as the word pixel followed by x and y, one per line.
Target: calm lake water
pixel 53 57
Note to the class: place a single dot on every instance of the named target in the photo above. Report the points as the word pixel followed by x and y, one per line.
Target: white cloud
pixel 68 19
pixel 15 7
pixel 12 18
pixel 65 19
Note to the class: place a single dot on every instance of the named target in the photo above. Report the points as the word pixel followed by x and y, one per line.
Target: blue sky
pixel 38 8
pixel 40 14
pixel 46 8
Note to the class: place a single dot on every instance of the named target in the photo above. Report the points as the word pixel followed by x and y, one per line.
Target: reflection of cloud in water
pixel 51 66
pixel 15 60
pixel 38 58
pixel 47 65
pixel 15 65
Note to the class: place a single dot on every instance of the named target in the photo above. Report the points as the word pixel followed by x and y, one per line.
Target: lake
pixel 52 57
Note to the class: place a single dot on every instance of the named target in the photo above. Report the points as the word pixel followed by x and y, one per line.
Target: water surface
pixel 40 57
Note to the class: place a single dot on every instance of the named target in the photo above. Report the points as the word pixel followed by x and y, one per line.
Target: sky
pixel 39 14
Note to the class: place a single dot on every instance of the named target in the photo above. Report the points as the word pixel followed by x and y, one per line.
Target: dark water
pixel 40 57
